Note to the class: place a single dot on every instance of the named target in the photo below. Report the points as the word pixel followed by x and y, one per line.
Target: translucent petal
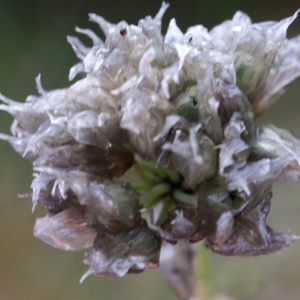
pixel 132 252
pixel 66 230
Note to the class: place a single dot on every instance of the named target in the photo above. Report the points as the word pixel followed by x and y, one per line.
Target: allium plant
pixel 178 112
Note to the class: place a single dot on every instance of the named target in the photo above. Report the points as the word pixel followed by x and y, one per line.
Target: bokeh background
pixel 32 41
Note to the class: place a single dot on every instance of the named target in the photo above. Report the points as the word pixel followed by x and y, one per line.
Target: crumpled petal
pixel 255 54
pixel 66 230
pixel 285 69
pixel 251 236
pixel 181 223
pixel 180 109
pixel 233 150
pixel 193 156
pixel 114 256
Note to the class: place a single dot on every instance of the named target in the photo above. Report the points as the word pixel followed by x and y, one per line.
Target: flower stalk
pixel 204 287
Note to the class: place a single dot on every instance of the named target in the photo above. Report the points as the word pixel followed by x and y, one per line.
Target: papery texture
pixel 178 109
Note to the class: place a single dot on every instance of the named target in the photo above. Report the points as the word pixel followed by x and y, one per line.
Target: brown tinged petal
pixel 182 223
pixel 232 100
pixel 114 256
pixel 66 230
pixel 109 163
pixel 112 206
pixel 217 205
pixel 185 101
pixel 108 205
pixel 251 236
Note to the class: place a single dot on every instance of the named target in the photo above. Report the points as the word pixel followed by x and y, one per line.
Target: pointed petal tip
pixel 161 12
pixel 85 275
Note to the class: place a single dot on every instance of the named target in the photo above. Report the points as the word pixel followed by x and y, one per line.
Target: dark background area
pixel 32 41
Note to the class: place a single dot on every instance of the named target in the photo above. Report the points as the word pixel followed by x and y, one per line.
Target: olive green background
pixel 32 41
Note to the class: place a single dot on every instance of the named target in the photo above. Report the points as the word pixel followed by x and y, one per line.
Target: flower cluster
pixel 179 112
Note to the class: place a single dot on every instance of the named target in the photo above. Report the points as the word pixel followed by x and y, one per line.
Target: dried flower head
pixel 179 110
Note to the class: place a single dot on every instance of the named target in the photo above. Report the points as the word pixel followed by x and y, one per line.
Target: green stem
pixel 204 288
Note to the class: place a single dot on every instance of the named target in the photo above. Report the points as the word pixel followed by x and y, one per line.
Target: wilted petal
pixel 184 107
pixel 143 114
pixel 224 227
pixel 198 37
pixel 193 155
pixel 116 255
pixel 181 223
pixel 256 174
pixel 251 236
pixel 208 107
pixel 233 100
pixel 217 205
pixel 66 230
pixel 227 35
pixel 275 142
pixel 285 69
pixel 109 163
pixel 28 117
pixel 255 54
pixel 112 206
pixel 234 151
pixel 40 182
pixel 92 128
pixel 52 134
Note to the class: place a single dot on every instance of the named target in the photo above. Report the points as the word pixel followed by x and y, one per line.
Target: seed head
pixel 179 110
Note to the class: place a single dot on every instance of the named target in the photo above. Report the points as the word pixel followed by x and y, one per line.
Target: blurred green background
pixel 32 41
